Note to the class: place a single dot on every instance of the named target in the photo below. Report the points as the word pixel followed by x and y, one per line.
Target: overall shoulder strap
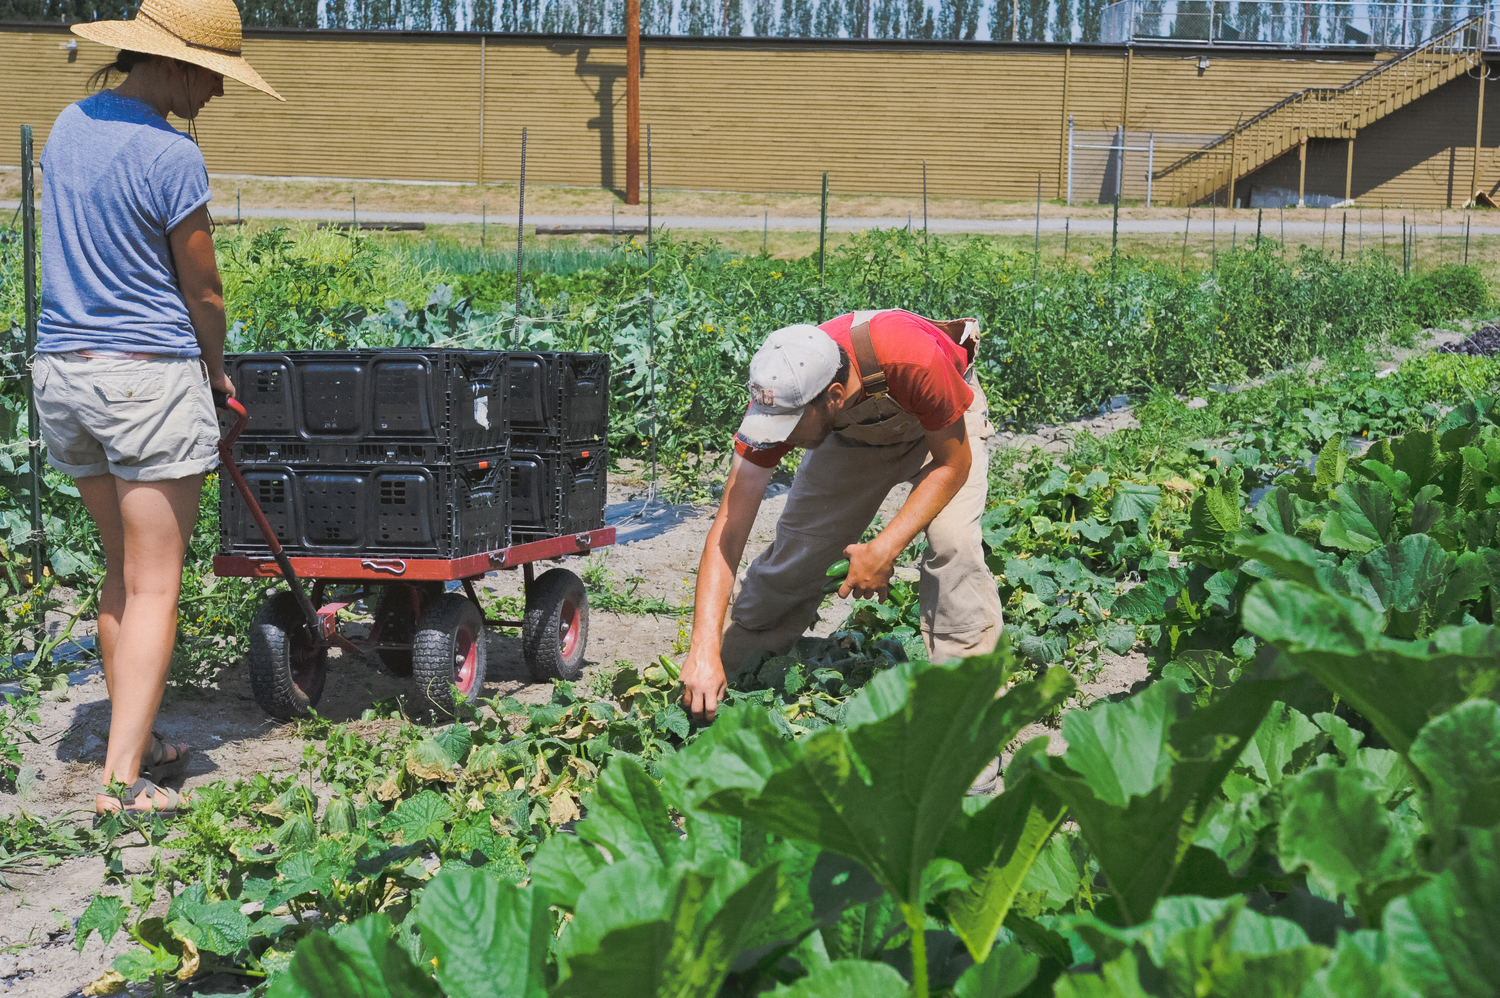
pixel 870 374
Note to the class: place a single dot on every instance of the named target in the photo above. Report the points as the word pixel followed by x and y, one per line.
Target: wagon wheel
pixel 448 651
pixel 556 628
pixel 396 611
pixel 287 670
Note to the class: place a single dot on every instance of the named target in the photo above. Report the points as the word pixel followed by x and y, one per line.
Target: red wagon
pixel 420 627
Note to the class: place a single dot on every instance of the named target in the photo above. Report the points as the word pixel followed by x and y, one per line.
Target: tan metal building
pixel 772 114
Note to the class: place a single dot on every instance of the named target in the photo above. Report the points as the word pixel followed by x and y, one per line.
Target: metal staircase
pixel 1323 113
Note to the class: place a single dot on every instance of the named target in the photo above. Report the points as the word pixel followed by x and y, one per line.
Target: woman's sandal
pixel 159 766
pixel 175 802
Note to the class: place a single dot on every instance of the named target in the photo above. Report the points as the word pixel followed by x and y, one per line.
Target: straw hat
pixel 203 32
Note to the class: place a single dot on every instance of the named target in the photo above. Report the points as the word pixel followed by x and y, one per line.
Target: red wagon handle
pixel 223 400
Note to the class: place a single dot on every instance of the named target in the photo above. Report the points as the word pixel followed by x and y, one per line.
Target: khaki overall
pixel 838 489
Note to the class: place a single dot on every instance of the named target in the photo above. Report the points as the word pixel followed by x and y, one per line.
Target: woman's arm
pixel 203 290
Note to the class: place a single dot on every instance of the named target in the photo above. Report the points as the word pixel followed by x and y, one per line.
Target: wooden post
pixel 1062 141
pixel 1478 135
pixel 1302 172
pixel 633 102
pixel 480 171
pixel 1349 172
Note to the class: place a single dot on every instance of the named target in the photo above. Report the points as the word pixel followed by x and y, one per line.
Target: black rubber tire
pixel 449 650
pixel 556 626
pixel 400 621
pixel 286 672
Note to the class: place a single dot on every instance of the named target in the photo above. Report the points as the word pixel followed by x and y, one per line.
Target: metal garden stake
pixel 520 230
pixel 33 424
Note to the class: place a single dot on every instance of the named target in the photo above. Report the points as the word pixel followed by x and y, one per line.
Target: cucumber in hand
pixel 836 573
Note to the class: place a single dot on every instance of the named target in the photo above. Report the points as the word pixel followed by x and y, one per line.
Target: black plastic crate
pixel 295 451
pixel 441 511
pixel 558 492
pixel 453 399
pixel 557 397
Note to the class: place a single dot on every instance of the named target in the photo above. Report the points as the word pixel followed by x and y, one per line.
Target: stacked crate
pixel 408 452
pixel 557 406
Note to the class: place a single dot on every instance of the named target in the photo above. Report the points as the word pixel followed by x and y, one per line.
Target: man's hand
pixel 870 570
pixel 222 384
pixel 703 683
pixel 703 669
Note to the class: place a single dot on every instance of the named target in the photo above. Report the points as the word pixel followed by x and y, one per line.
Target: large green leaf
pixel 1143 774
pixel 1416 455
pixel 359 960
pixel 1398 483
pixel 1122 749
pixel 1119 978
pixel 882 790
pixel 562 866
pixel 1215 513
pixel 1403 573
pixel 1276 743
pixel 1333 462
pixel 1459 754
pixel 846 979
pixel 1359 969
pixel 1445 937
pixel 1134 502
pixel 1336 825
pixel 643 931
pixel 1007 972
pixel 628 815
pixel 1398 685
pixel 1360 519
pixel 490 938
pixel 1281 511
pixel 1201 948
pixel 996 847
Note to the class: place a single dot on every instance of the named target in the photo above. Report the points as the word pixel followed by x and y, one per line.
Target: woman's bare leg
pixel 151 523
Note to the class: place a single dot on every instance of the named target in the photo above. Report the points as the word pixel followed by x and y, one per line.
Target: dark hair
pixel 124 62
pixel 841 376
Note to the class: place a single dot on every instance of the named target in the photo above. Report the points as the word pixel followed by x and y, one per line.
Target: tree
pixel 796 18
pixel 763 18
pixel 887 18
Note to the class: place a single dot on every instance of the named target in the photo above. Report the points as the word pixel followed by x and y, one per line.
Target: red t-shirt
pixel 924 373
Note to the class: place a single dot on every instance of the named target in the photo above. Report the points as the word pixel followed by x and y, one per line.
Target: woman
pixel 130 342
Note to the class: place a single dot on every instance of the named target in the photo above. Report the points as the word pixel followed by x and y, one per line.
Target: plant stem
pixel 916 923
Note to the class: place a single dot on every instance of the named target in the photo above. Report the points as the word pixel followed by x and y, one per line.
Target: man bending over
pixel 878 398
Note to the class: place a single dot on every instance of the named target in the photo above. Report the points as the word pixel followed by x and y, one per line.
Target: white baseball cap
pixel 789 370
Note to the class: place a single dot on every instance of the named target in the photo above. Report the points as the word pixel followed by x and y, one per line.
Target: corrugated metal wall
pixel 748 115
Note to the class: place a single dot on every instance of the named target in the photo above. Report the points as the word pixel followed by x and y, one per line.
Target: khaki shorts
pixel 140 420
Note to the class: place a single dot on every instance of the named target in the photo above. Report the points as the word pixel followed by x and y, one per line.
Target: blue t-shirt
pixel 116 178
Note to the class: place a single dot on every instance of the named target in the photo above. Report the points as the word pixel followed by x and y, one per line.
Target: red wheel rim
pixel 568 628
pixel 465 657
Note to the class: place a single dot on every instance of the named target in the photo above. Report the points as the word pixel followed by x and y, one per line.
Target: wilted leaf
pixel 429 760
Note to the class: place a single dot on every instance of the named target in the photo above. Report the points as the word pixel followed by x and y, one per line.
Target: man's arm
pixel 192 245
pixel 703 670
pixel 871 565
